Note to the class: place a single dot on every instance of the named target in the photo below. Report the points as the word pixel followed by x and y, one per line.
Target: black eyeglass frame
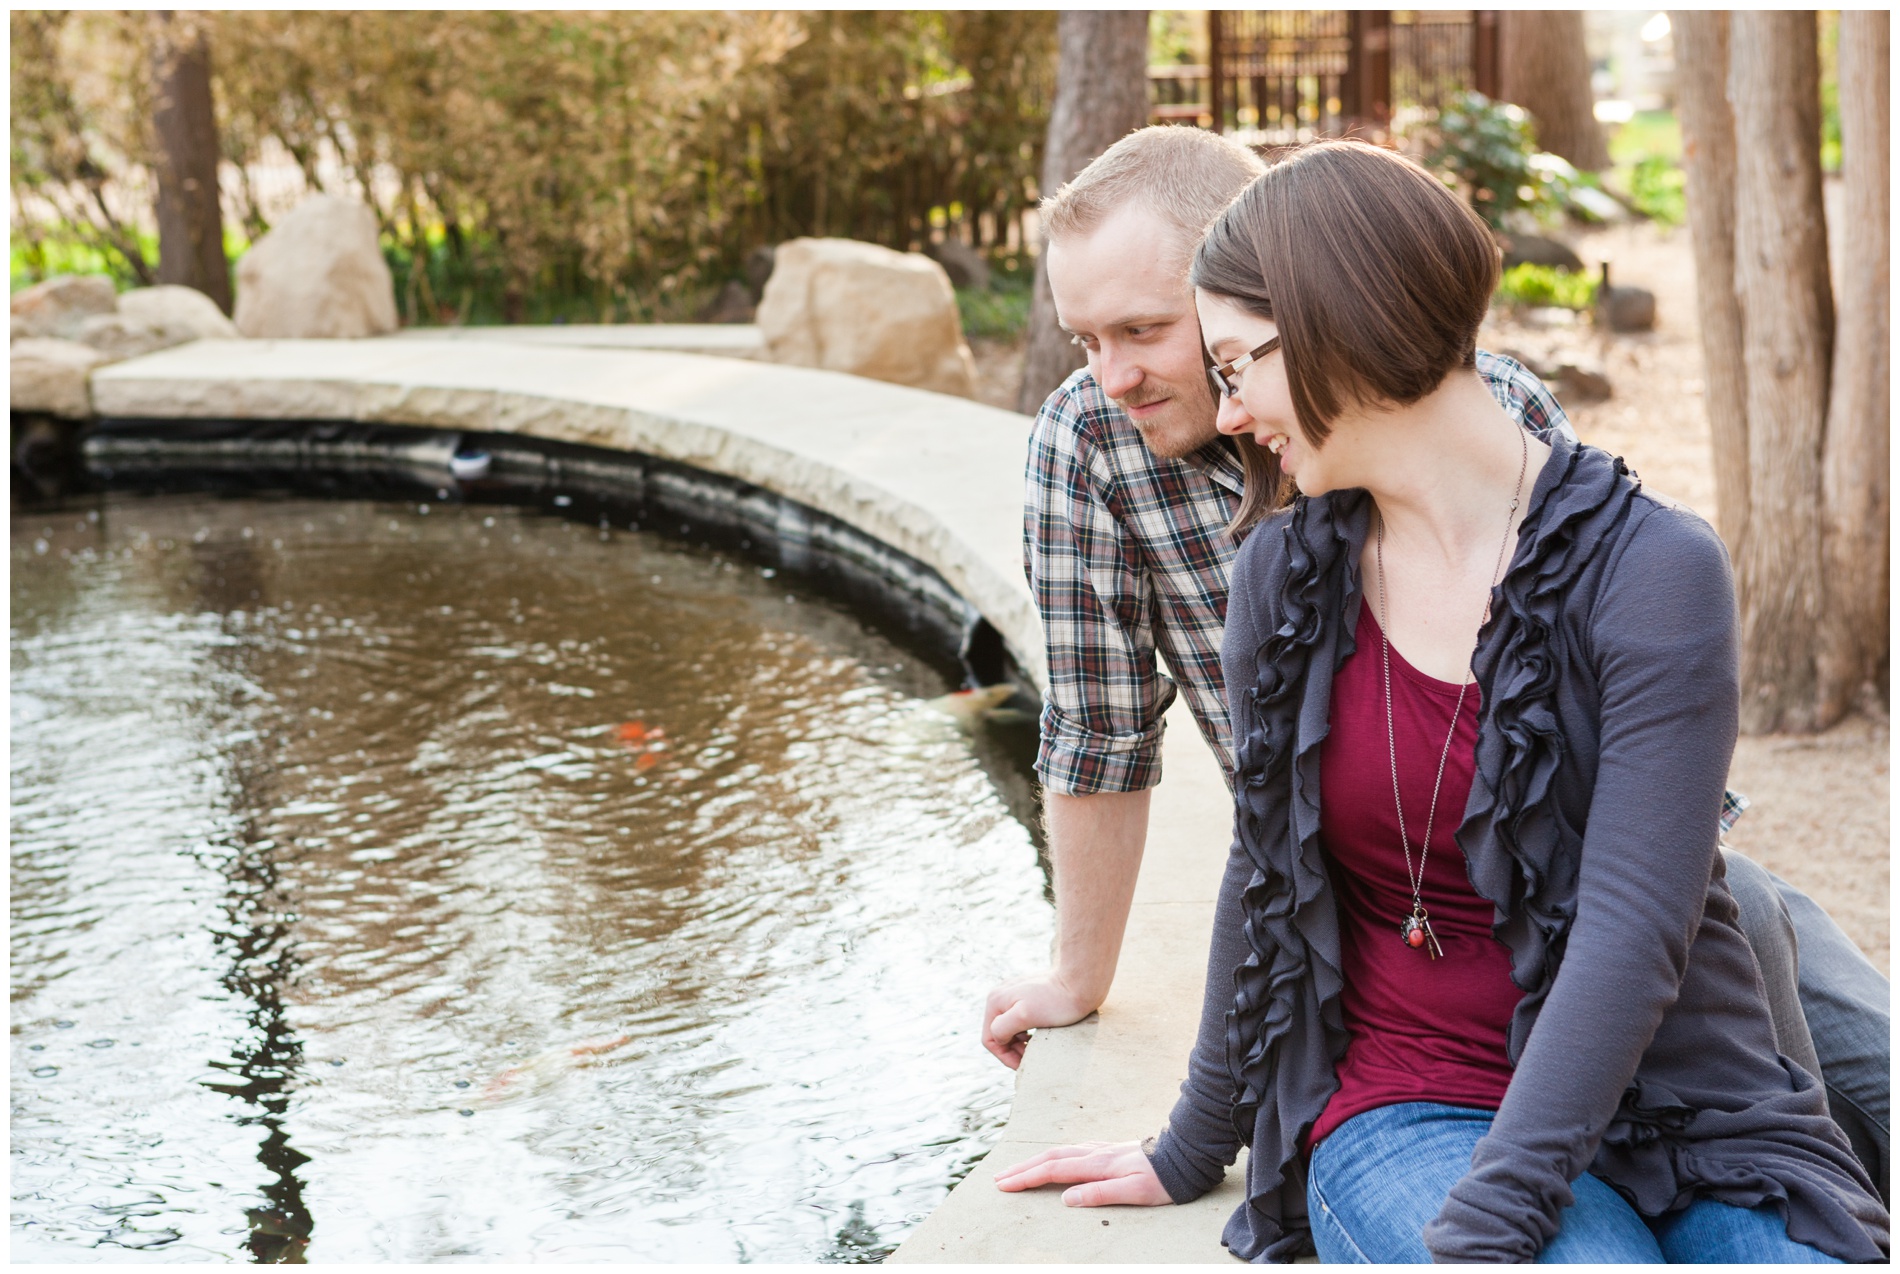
pixel 1219 373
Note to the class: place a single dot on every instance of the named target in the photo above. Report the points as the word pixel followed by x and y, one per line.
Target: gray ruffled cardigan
pixel 1643 1048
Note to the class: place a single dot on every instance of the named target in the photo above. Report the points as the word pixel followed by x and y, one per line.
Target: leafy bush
pixel 521 164
pixel 1646 166
pixel 1537 285
pixel 1657 188
pixel 1488 151
pixel 999 312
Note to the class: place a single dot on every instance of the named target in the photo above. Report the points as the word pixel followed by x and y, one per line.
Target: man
pixel 1130 489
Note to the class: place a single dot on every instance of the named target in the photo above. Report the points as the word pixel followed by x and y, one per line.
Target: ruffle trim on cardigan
pixel 1285 1020
pixel 1512 834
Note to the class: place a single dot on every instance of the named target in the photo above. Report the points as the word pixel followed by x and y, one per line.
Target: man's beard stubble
pixel 1180 429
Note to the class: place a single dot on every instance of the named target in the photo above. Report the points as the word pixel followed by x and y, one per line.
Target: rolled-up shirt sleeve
pixel 1102 717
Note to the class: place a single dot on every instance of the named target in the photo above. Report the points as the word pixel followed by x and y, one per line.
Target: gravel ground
pixel 1820 813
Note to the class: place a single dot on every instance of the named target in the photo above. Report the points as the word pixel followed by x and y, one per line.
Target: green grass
pixel 1646 165
pixel 1648 133
pixel 1539 285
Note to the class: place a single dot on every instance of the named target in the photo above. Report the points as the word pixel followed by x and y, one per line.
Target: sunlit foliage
pixel 599 164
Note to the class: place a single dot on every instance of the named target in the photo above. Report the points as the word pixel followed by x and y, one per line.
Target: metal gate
pixel 1281 76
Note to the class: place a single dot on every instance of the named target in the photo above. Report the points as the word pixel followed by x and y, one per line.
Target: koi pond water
pixel 399 882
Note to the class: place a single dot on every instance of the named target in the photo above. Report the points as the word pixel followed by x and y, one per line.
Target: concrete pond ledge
pixel 1115 1075
pixel 727 340
pixel 935 477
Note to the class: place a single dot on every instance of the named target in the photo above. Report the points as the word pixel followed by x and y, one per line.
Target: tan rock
pixel 118 336
pixel 180 307
pixel 58 306
pixel 318 273
pixel 859 308
pixel 49 375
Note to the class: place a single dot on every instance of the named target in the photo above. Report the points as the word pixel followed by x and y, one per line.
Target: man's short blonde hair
pixel 1185 176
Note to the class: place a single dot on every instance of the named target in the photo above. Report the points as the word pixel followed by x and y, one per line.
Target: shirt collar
pixel 1220 463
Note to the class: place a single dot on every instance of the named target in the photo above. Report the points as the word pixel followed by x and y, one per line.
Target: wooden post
pixel 1349 90
pixel 1372 54
pixel 1485 75
pixel 1216 71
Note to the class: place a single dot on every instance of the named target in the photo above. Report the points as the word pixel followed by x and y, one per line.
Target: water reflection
pixel 329 810
pixel 255 937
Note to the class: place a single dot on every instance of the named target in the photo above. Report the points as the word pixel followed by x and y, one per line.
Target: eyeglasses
pixel 1226 376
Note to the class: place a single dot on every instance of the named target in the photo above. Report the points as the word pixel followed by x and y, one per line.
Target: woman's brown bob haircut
pixel 1375 274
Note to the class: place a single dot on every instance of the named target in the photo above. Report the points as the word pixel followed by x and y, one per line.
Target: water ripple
pixel 465 886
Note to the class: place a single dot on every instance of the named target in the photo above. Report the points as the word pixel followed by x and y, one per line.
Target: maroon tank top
pixel 1422 1029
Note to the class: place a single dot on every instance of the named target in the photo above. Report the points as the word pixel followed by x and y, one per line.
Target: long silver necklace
pixel 1416 929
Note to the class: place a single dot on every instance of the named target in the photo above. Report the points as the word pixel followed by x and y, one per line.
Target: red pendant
pixel 1416 930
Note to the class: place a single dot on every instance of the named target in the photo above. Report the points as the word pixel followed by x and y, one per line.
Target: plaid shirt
pixel 1127 555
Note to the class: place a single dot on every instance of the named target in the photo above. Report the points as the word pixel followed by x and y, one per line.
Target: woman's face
pixel 1263 409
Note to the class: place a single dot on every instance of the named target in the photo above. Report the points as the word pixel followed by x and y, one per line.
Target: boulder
pixel 733 304
pixel 1579 384
pixel 758 269
pixel 173 306
pixel 1624 309
pixel 964 264
pixel 1627 309
pixel 1535 249
pixel 859 308
pixel 49 375
pixel 58 306
pixel 318 273
pixel 118 336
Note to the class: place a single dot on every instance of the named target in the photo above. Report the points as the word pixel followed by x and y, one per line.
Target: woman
pixel 1477 991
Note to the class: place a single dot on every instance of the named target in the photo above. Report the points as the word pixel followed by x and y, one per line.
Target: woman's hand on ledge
pixel 1098 1173
pixel 1017 1005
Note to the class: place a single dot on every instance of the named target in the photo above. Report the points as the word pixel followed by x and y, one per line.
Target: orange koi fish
pixel 549 1067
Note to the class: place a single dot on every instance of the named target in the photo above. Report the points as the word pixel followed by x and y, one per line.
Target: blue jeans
pixel 1379 1177
pixel 1832 1009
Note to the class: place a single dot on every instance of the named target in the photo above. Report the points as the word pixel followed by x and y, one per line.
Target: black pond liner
pixel 596 485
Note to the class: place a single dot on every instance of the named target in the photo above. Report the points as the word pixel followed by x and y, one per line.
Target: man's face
pixel 1121 291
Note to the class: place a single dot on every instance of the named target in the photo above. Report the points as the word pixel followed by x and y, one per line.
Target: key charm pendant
pixel 1416 929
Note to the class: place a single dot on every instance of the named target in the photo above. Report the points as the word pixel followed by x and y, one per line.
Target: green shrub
pixel 1538 285
pixel 995 313
pixel 541 164
pixel 1657 189
pixel 1488 150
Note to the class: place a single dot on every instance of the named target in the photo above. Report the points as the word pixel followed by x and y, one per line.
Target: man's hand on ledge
pixel 1021 1003
pixel 1110 1172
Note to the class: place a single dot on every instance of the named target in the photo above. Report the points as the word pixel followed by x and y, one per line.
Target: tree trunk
pixel 1708 158
pixel 1787 345
pixel 1855 533
pixel 1544 69
pixel 1101 96
pixel 190 226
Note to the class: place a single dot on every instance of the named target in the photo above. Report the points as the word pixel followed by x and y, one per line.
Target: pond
pixel 412 882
